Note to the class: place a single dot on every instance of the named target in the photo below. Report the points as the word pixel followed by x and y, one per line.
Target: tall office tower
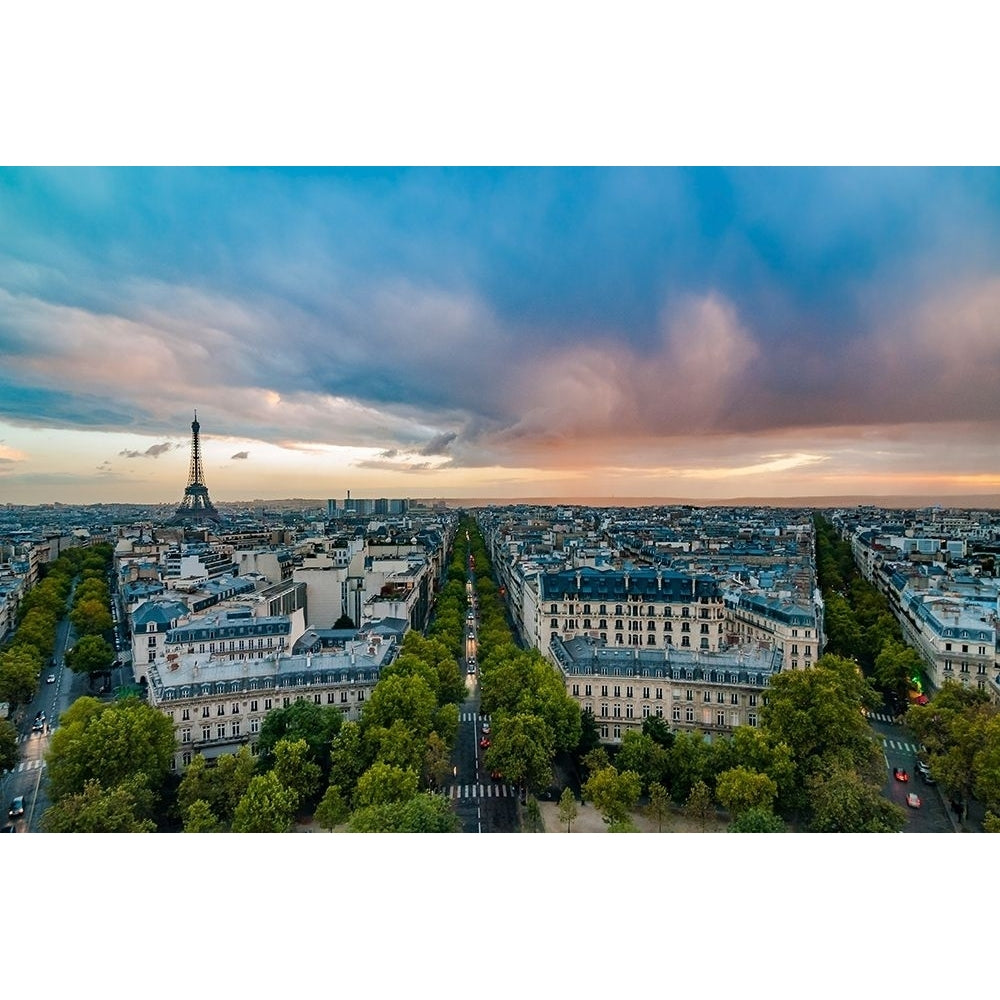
pixel 196 505
pixel 331 508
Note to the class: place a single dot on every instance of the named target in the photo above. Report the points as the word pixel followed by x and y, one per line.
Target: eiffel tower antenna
pixel 196 505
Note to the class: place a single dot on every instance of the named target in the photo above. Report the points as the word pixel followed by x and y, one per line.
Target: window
pixel 205 712
pixel 628 692
pixel 253 706
pixel 704 630
pixel 604 690
pixel 236 708
pixel 618 691
pixel 689 695
pixel 186 758
pixel 267 704
pixel 220 731
pixel 734 699
pixel 645 711
pixel 659 693
pixel 676 714
pixel 151 641
pixel 361 695
pixel 659 711
pixel 617 711
pixel 689 714
pixel 604 732
pixel 285 702
pixel 751 718
pixel 618 732
pixel 586 690
pixel 186 735
pixel 629 713
pixel 685 641
pixel 220 709
pixel 604 710
pixel 706 696
pixel 317 698
pixel 720 718
pixel 343 696
pixel 947 646
pixel 721 698
pixel 185 715
pixel 576 690
pixel 645 692
pixel 753 699
pixel 330 697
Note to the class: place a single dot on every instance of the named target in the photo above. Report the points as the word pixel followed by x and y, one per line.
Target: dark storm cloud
pixel 479 313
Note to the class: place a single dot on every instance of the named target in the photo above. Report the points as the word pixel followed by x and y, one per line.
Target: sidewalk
pixel 589 820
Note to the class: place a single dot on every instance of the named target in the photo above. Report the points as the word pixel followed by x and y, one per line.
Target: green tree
pixel 596 760
pixel 91 655
pixel 843 802
pixel 332 809
pixel 437 761
pixel 90 617
pixel 699 804
pixel 423 813
pixel 384 783
pixel 126 738
pixel 267 806
pixel 659 805
pixel 199 818
pixel 9 753
pixel 522 750
pixel 94 809
pixel 641 753
pixel 614 794
pixel 739 789
pixel 407 698
pixel 567 809
pixel 19 667
pixel 344 621
pixel 301 720
pixel 757 820
pixel 895 665
pixel 689 761
pixel 350 757
pixel 654 727
pixel 533 816
pixel 295 770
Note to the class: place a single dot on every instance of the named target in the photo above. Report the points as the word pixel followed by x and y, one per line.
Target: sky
pixel 514 332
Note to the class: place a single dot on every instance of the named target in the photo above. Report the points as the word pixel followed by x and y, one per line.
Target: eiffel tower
pixel 196 505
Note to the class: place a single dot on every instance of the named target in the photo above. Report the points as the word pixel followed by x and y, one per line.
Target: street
pixel 900 749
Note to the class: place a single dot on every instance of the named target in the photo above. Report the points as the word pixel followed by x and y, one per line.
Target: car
pixel 16 807
pixel 900 774
pixel 37 726
pixel 51 679
pixel 484 742
pixel 472 668
pixel 913 800
pixel 496 776
pixel 486 728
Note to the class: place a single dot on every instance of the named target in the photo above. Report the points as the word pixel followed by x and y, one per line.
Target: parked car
pixel 16 807
pixel 484 742
pixel 913 800
pixel 486 728
pixel 51 679
pixel 900 774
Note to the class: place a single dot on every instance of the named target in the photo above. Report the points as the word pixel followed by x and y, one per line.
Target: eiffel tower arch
pixel 196 505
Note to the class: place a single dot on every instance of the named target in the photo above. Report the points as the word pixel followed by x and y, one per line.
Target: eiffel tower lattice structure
pixel 196 505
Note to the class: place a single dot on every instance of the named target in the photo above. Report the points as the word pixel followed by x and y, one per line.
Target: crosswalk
pixel 29 765
pixel 900 745
pixel 480 791
pixel 472 717
pixel 878 716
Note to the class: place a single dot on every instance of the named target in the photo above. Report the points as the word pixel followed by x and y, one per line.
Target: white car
pixel 51 679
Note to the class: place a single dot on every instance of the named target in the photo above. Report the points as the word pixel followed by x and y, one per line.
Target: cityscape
pixel 499 501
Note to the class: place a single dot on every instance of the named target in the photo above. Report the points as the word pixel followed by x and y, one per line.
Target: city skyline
pixel 701 333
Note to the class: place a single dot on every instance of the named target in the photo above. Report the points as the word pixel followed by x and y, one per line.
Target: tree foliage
pixel 95 809
pixel 614 794
pixel 567 808
pixel 266 807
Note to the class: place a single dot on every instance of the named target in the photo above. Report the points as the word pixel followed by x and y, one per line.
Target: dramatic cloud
pixel 511 325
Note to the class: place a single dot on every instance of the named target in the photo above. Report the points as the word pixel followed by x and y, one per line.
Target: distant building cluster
pixel 938 571
pixel 675 612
